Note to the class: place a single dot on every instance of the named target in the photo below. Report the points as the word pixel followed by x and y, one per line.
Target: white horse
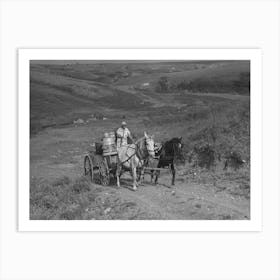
pixel 134 155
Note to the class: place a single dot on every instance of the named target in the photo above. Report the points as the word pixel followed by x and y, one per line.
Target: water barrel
pixel 109 144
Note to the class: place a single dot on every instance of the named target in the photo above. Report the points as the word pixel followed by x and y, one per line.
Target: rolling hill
pixel 61 93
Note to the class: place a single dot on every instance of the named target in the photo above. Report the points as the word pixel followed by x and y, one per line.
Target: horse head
pixel 150 144
pixel 177 147
pixel 179 142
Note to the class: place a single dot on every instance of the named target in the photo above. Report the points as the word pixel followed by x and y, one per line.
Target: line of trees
pixel 240 86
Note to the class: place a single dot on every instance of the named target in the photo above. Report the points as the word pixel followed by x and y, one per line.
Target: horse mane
pixel 168 147
pixel 141 148
pixel 174 140
pixel 141 142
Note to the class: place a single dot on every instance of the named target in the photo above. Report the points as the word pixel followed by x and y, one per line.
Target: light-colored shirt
pixel 122 135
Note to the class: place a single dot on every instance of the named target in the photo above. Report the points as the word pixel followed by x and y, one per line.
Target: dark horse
pixel 170 152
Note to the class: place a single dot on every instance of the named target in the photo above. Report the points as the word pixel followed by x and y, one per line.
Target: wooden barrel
pixel 110 151
pixel 109 143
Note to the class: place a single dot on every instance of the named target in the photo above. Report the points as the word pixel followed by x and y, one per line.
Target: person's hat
pixel 123 123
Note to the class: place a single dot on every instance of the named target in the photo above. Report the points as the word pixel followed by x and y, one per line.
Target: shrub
pixel 162 85
pixel 205 156
pixel 81 185
pixel 61 181
pixel 234 160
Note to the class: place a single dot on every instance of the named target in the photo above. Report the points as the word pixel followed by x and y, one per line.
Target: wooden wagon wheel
pixel 104 173
pixel 88 167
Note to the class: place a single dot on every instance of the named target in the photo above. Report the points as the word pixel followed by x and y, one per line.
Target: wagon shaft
pixel 156 168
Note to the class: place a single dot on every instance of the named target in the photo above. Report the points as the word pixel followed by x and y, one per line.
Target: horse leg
pixel 118 174
pixel 173 174
pixel 139 177
pixel 152 176
pixel 157 175
pixel 134 177
pixel 142 175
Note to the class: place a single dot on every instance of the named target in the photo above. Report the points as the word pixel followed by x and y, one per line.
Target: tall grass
pixel 64 199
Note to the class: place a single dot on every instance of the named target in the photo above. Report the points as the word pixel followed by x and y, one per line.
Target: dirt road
pixel 186 200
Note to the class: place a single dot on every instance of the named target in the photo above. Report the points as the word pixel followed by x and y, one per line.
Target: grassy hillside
pixel 223 71
pixel 64 199
pixel 59 94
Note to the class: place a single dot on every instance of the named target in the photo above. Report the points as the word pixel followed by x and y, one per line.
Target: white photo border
pixel 24 57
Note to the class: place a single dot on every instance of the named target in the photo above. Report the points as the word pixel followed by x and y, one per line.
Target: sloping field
pixel 224 71
pixel 61 93
pixel 59 100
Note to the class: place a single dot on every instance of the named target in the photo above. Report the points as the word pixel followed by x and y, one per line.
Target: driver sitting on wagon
pixel 123 134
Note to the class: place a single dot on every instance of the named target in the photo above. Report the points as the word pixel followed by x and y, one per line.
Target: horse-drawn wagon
pixel 104 162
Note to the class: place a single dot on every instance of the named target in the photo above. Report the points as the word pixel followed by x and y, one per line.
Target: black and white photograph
pixel 140 140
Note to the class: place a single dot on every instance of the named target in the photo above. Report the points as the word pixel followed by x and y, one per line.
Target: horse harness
pixel 137 152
